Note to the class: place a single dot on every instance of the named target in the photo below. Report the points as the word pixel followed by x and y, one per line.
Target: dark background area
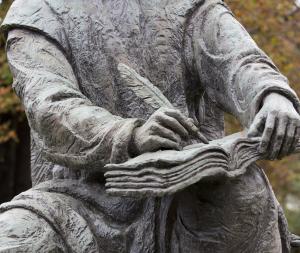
pixel 14 132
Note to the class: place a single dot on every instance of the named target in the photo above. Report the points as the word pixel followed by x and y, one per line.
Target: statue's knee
pixel 23 230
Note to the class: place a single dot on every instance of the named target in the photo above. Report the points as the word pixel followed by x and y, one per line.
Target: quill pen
pixel 144 89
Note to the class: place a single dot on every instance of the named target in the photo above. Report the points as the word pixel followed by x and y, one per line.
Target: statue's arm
pixel 241 79
pixel 234 71
pixel 67 127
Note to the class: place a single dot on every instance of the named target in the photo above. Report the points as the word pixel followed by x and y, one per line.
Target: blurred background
pixel 274 25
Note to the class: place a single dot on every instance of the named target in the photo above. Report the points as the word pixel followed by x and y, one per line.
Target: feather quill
pixel 143 88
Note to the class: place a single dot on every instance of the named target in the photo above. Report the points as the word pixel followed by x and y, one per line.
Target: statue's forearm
pixel 67 127
pixel 234 71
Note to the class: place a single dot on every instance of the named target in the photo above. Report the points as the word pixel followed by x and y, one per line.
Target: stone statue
pixel 86 121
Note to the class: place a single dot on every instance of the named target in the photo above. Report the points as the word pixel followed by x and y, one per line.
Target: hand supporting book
pixel 168 171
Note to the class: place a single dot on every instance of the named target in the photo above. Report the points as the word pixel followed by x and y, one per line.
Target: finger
pixel 202 138
pixel 295 141
pixel 267 134
pixel 157 143
pixel 165 133
pixel 198 134
pixel 173 124
pixel 288 140
pixel 278 137
pixel 255 127
pixel 187 123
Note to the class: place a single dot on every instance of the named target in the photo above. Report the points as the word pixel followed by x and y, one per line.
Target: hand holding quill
pixel 167 126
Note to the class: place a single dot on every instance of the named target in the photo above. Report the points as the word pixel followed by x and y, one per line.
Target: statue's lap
pixel 208 214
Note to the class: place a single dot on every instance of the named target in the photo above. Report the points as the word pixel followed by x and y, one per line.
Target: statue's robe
pixel 63 55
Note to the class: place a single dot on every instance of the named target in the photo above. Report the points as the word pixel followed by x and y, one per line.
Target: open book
pixel 166 172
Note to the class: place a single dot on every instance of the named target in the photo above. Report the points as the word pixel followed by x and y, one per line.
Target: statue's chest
pixel 148 38
pixel 147 34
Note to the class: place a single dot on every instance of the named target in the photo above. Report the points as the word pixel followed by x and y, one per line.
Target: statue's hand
pixel 165 129
pixel 279 124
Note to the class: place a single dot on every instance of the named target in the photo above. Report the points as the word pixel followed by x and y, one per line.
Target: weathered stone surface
pixel 84 115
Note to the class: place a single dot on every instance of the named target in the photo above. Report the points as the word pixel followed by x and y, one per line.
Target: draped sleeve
pixel 67 127
pixel 235 73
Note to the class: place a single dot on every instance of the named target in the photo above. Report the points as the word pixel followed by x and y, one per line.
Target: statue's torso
pixel 147 35
pixel 152 37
